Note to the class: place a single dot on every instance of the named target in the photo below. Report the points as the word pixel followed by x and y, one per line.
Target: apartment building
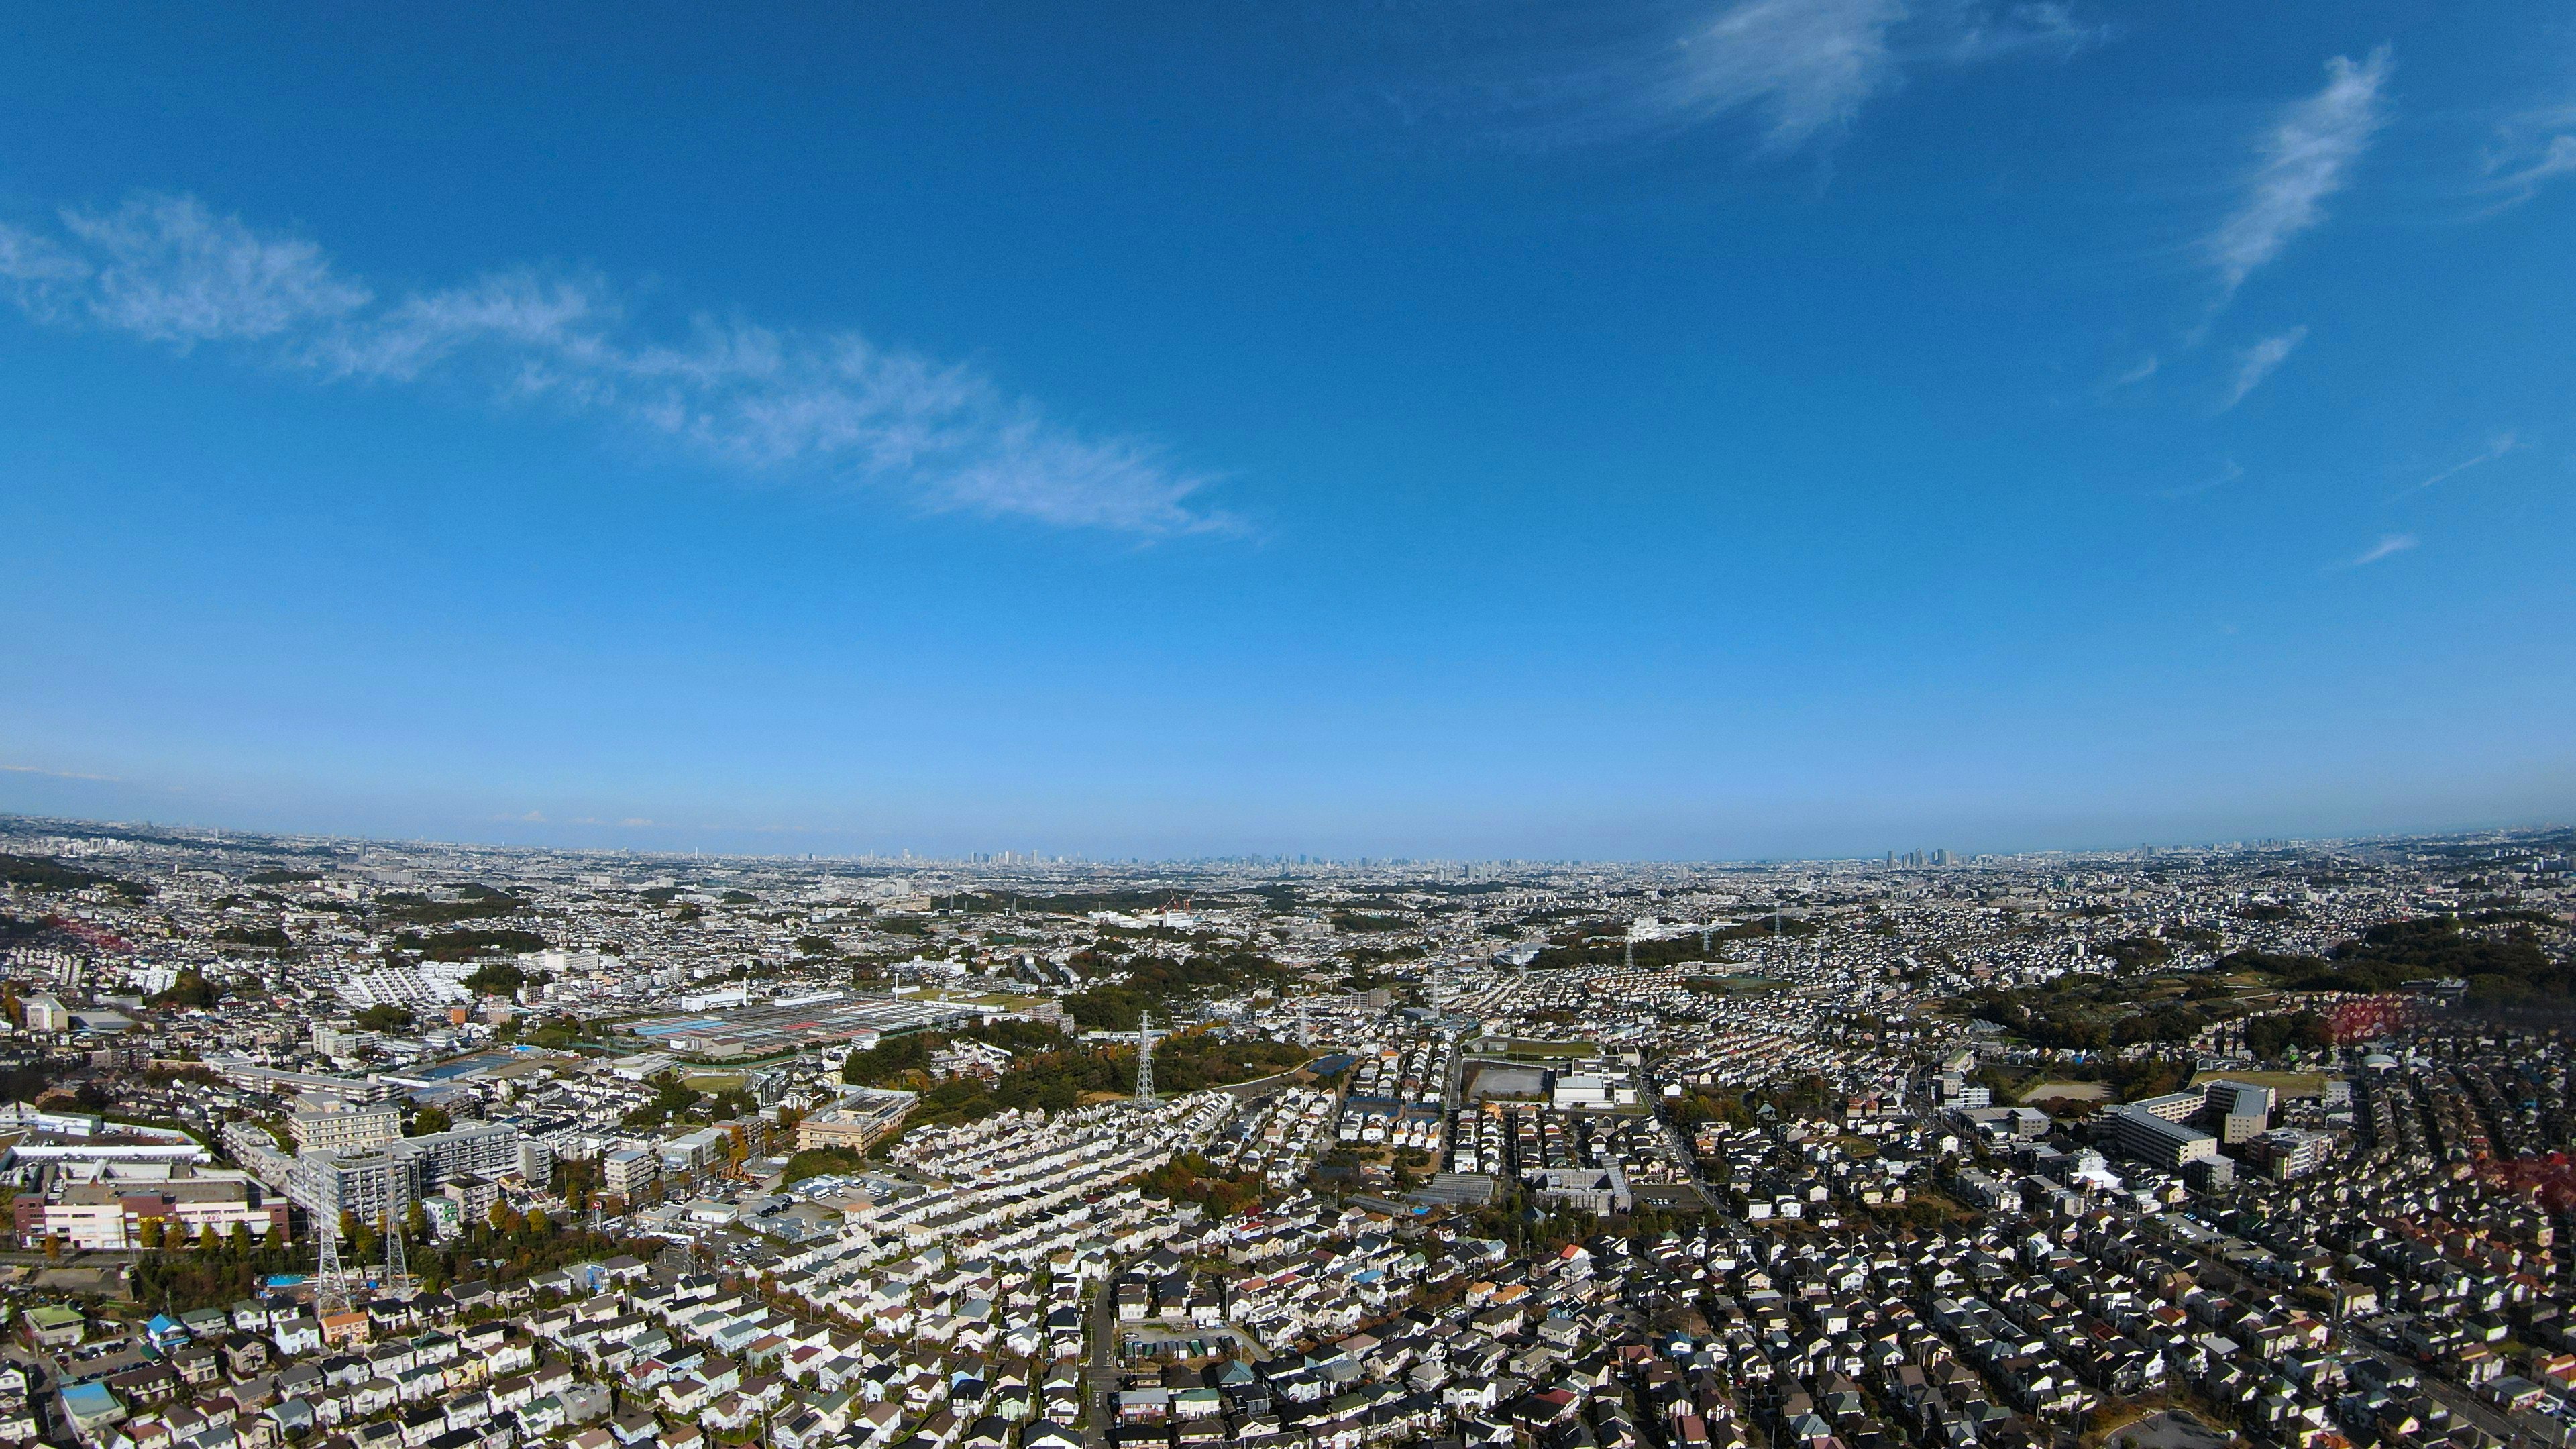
pixel 335 1124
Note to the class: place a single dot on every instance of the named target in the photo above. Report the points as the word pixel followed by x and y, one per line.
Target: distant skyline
pixel 1643 430
pixel 665 841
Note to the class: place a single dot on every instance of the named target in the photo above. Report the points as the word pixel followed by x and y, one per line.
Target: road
pixel 1100 1357
pixel 1680 1143
pixel 2462 1404
pixel 1264 1086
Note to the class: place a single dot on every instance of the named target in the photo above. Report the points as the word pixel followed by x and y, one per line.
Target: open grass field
pixel 1555 1051
pixel 2288 1084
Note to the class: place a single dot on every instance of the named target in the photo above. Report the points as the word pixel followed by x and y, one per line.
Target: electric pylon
pixel 397 1265
pixel 330 1282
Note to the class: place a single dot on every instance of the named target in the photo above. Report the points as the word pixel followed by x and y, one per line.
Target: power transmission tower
pixel 330 1283
pixel 1145 1056
pixel 397 1263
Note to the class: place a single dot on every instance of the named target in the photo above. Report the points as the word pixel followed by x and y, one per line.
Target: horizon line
pixel 904 856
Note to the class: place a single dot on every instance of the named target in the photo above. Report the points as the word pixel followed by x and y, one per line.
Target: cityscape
pixel 318 1140
pixel 1420 724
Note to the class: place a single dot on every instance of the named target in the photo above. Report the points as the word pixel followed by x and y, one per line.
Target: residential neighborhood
pixel 355 1145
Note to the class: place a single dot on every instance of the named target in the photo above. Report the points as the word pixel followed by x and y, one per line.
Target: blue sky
pixel 1451 428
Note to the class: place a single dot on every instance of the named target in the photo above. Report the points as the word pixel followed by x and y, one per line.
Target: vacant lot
pixel 2039 1092
pixel 2174 1430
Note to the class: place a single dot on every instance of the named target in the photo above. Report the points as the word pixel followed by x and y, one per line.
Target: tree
pixel 154 1229
pixel 358 1240
pixel 384 1016
pixel 499 978
pixel 53 1245
pixel 189 988
pixel 2269 1036
pixel 208 1239
pixel 430 1119
pixel 416 1223
pixel 539 1225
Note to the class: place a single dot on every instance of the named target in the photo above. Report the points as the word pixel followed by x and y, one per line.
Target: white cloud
pixel 2140 373
pixel 57 774
pixel 2526 159
pixel 2257 362
pixel 2226 473
pixel 761 401
pixel 2388 547
pixel 517 309
pixel 2023 29
pixel 2306 156
pixel 2497 447
pixel 1802 70
pixel 1805 65
pixel 29 258
pixel 164 268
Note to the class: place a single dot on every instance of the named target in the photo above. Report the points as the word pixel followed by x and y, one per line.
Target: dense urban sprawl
pixel 373 1145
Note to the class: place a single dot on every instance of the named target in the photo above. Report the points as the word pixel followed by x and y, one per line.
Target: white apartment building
pixel 331 1124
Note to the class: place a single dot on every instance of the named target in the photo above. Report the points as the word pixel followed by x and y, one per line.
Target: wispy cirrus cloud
pixel 166 269
pixel 2304 157
pixel 2259 361
pixel 2024 29
pixel 2497 447
pixel 2147 367
pixel 57 774
pixel 762 401
pixel 2388 547
pixel 1805 68
pixel 2226 473
pixel 1800 70
pixel 2530 151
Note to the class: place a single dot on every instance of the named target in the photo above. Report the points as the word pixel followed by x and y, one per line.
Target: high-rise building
pixel 334 1124
pixel 381 1182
